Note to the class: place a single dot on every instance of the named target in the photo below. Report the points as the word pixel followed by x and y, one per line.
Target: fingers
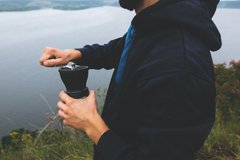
pixel 49 52
pixel 65 98
pixel 62 114
pixel 52 62
pixel 63 109
pixel 61 105
pixel 65 122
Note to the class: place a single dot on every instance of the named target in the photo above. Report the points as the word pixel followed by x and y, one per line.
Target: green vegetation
pixel 53 144
pixel 61 142
pixel 25 5
pixel 223 143
pixel 57 142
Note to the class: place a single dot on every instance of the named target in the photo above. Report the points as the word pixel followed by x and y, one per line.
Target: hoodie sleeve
pixel 179 114
pixel 102 56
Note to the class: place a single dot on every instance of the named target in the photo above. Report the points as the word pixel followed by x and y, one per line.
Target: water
pixel 228 23
pixel 24 35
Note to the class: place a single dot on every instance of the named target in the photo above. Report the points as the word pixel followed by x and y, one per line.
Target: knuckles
pixel 49 49
pixel 66 111
pixel 46 50
pixel 70 102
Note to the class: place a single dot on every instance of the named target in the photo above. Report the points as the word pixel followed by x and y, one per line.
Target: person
pixel 163 105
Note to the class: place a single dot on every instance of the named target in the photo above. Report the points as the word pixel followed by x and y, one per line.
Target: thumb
pixel 92 94
pixel 53 62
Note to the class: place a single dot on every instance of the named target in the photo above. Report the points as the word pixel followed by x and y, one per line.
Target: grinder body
pixel 75 81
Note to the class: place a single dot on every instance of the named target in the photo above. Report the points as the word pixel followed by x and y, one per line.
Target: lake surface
pixel 24 35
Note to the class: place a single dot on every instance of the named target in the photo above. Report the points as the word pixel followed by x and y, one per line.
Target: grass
pixel 53 144
pixel 57 142
pixel 223 143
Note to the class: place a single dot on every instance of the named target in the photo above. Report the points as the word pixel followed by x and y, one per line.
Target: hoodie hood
pixel 211 5
pixel 193 15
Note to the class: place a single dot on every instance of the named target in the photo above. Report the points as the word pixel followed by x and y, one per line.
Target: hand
pixel 62 57
pixel 82 114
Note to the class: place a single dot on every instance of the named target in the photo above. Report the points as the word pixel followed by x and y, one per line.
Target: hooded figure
pixel 164 106
pixel 160 103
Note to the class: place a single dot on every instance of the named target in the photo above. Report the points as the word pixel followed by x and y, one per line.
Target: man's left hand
pixel 82 114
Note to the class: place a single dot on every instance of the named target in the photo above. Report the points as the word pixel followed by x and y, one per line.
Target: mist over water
pixel 24 35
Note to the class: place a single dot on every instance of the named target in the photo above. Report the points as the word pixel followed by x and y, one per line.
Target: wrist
pixel 97 129
pixel 73 55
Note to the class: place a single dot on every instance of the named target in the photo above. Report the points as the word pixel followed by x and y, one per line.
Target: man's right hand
pixel 62 57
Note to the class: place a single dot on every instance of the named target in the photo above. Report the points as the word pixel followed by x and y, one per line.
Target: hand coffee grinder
pixel 74 78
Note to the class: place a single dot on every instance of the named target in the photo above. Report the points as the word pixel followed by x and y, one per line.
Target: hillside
pixel 24 5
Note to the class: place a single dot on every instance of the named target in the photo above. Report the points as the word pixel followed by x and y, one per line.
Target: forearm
pixel 73 55
pixel 96 129
pixel 156 143
pixel 101 56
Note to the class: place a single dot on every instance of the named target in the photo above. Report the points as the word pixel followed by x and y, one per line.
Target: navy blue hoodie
pixel 164 107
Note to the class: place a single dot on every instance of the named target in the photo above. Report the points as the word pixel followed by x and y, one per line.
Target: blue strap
pixel 128 42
